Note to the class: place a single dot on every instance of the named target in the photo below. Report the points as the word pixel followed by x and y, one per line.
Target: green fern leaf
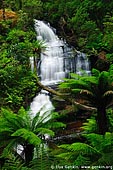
pixel 82 160
pixel 27 135
pixel 11 118
pixel 96 140
pixel 90 126
pixel 95 72
pixel 80 148
pixel 66 156
pixel 43 131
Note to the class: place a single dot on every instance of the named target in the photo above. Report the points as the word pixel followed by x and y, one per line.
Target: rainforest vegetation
pixel 87 26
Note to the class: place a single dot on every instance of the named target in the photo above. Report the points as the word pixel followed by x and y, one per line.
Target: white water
pixel 82 64
pixel 51 67
pixel 56 62
pixel 42 104
pixel 51 63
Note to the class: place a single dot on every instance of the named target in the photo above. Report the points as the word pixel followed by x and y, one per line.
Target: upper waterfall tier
pixel 51 63
pixel 58 60
pixel 44 32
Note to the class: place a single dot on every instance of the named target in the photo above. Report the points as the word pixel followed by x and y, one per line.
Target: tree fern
pixel 104 144
pixel 78 153
pixel 22 129
pixel 98 151
pixel 101 142
pixel 95 91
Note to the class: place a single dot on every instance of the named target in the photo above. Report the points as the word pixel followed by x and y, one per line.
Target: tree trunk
pixel 102 120
pixel 28 149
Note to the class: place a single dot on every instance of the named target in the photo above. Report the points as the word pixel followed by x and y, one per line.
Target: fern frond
pixel 14 163
pixel 12 143
pixel 109 92
pixel 66 156
pixel 86 92
pixel 89 80
pixel 34 120
pixel 75 76
pixel 95 72
pixel 90 126
pixel 80 148
pixel 39 119
pixel 104 80
pixel 56 125
pixel 79 153
pixel 28 136
pixel 43 131
pixel 96 140
pixel 106 159
pixel 55 115
pixel 24 117
pixel 22 112
pixel 11 118
pixel 64 85
pixel 82 160
pixel 4 129
pixel 42 161
pixel 76 91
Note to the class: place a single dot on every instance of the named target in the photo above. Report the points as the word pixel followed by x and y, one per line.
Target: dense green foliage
pixel 88 22
pixel 98 151
pixel 15 70
pixel 26 131
pixel 94 91
pixel 87 25
pixel 93 18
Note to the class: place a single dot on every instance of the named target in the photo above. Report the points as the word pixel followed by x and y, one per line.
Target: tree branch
pixel 81 106
pixel 48 89
pixel 84 107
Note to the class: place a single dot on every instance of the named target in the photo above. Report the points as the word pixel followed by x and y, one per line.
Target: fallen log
pixel 52 91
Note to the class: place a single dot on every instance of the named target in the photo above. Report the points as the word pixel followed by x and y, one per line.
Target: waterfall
pixel 51 63
pixel 56 62
pixel 82 64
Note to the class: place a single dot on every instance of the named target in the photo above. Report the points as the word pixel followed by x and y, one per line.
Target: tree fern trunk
pixel 102 120
pixel 29 149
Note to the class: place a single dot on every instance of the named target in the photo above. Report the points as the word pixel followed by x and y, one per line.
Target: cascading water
pixel 56 62
pixel 82 64
pixel 51 63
